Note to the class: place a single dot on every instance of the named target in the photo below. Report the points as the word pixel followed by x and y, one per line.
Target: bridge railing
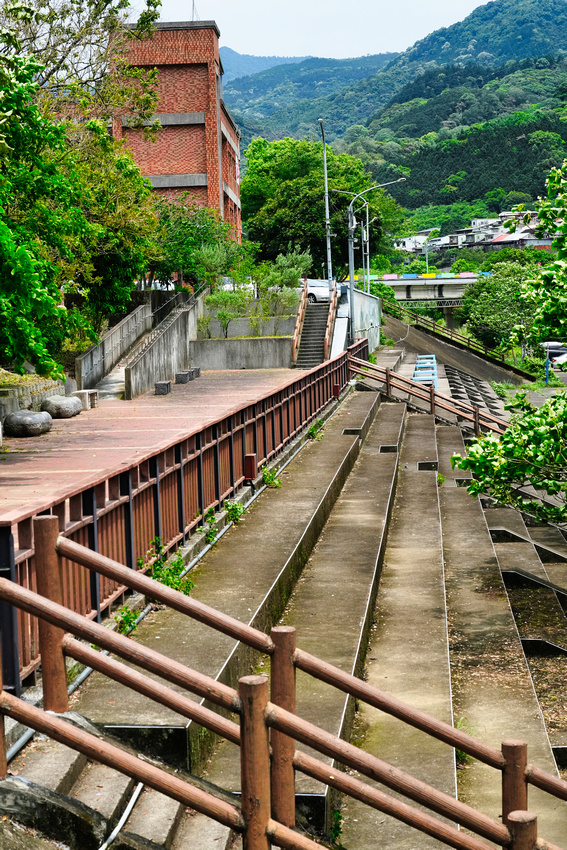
pixel 267 812
pixel 436 401
pixel 410 317
pixel 164 494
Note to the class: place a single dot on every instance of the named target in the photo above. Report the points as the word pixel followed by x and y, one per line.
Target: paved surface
pixel 409 655
pixel 38 471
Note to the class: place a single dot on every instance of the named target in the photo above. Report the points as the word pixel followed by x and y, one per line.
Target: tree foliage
pixel 283 199
pixel 546 292
pixel 530 456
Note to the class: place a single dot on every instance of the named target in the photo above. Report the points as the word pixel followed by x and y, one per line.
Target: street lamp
pixel 327 218
pixel 351 226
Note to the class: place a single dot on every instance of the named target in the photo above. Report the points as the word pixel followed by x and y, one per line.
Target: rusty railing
pixel 479 419
pixel 414 318
pixel 164 494
pixel 267 813
pixel 299 323
pixel 333 304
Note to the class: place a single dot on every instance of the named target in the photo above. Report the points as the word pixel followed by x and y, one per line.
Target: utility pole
pixel 327 217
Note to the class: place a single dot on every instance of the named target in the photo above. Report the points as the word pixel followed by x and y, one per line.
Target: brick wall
pixel 198 135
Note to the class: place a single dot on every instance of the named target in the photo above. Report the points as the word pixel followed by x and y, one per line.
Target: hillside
pixel 242 64
pixel 259 95
pixel 491 35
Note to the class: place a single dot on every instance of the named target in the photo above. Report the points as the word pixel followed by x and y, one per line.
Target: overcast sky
pixel 331 28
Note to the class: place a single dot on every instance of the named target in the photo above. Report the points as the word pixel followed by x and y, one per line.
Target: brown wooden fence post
pixel 3 745
pixel 523 826
pixel 432 398
pixel 514 785
pixel 476 413
pixel 283 747
pixel 254 762
pixel 388 384
pixel 48 570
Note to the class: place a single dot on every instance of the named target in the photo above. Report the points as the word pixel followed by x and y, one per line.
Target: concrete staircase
pixel 312 345
pixel 368 550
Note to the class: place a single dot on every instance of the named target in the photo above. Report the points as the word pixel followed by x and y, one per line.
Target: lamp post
pixel 327 218
pixel 351 226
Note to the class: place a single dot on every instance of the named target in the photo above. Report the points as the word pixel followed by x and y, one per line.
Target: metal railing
pixel 410 317
pixel 98 361
pixel 333 304
pixel 299 324
pixel 163 494
pixel 481 420
pixel 267 812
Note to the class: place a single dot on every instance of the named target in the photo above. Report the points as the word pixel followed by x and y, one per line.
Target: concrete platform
pixel 36 471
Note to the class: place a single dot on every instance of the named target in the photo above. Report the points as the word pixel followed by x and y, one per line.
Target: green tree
pixel 492 308
pixel 40 222
pixel 283 200
pixel 229 304
pixel 532 453
pixel 546 292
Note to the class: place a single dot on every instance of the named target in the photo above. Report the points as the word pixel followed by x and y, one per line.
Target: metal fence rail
pixel 479 419
pixel 165 495
pixel 267 812
pixel 409 316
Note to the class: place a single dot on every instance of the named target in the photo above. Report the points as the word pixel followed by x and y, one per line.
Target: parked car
pixel 317 290
pixel 554 349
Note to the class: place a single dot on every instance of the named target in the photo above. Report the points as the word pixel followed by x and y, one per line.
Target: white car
pixel 317 290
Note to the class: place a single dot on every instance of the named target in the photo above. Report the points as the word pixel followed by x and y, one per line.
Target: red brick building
pixel 197 149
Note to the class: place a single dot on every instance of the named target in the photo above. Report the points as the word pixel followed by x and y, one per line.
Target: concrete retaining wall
pixel 28 396
pixel 255 353
pixel 98 361
pixel 367 315
pixel 167 354
pixel 241 327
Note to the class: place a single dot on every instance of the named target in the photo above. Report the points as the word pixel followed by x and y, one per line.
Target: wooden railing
pixel 163 494
pixel 267 812
pixel 299 324
pixel 480 419
pixel 410 317
pixel 333 304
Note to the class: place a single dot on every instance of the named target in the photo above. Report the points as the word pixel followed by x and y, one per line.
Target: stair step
pixel 198 832
pixel 154 820
pixel 491 680
pixel 408 653
pixel 65 764
pixel 103 789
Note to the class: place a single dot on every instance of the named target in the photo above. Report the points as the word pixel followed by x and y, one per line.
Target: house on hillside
pixel 197 149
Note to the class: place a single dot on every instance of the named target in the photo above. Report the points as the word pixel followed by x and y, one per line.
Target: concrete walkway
pixel 38 471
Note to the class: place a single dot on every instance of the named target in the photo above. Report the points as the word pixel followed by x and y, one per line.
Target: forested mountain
pixel 490 36
pixel 261 94
pixel 242 64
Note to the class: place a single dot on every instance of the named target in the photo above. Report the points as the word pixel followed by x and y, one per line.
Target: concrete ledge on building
pixel 169 119
pixel 176 181
pixel 255 353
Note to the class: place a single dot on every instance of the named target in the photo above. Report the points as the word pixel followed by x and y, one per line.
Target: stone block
pixel 88 398
pixel 184 377
pixel 196 371
pixel 62 407
pixel 163 387
pixel 27 423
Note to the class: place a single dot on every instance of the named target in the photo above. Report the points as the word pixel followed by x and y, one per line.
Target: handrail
pixel 392 380
pixel 257 713
pixel 299 324
pixel 333 303
pixel 455 336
